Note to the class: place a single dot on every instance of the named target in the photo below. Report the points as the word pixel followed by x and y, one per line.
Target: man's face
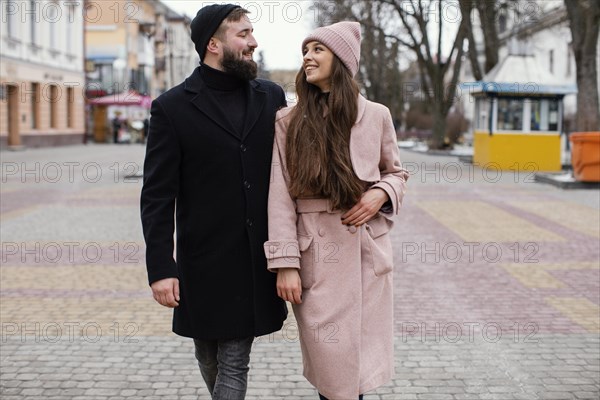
pixel 238 49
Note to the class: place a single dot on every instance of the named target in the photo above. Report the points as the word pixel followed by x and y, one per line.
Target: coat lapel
pixel 356 143
pixel 362 106
pixel 207 104
pixel 256 98
pixel 362 150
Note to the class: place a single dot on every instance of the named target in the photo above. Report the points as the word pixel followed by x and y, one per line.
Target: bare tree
pixel 263 71
pixel 439 73
pixel 487 11
pixel 408 23
pixel 488 14
pixel 584 17
pixel 466 9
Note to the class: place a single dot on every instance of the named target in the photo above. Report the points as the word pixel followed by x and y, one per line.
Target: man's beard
pixel 243 69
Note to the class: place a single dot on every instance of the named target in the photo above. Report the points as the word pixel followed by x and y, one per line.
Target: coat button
pixel 273 249
pixel 243 148
pixel 321 232
pixel 249 222
pixel 247 185
pixel 352 229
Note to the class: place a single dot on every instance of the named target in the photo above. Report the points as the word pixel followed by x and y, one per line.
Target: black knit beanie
pixel 206 23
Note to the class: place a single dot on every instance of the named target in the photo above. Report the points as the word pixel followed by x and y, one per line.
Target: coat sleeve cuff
pixel 282 254
pixel 158 274
pixel 389 189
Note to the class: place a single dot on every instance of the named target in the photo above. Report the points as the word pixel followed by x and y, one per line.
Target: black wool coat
pixel 217 183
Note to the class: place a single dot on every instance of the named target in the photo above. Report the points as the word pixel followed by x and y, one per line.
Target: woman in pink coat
pixel 336 182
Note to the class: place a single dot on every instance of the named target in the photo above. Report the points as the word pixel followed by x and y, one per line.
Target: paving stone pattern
pixel 497 288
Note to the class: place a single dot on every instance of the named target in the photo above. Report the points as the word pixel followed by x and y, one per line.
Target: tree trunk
pixel 584 18
pixel 439 127
pixel 588 116
pixel 466 9
pixel 488 14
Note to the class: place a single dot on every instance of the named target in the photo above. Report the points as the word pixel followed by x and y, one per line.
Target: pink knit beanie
pixel 343 39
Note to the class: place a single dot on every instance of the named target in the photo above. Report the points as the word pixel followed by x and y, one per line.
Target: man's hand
pixel 366 208
pixel 289 285
pixel 166 292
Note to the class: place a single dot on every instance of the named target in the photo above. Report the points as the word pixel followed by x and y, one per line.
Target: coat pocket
pixel 307 273
pixel 380 245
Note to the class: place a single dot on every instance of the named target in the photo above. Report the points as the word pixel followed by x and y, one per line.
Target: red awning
pixel 130 98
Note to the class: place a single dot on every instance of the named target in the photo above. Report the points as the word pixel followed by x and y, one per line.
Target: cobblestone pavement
pixel 497 286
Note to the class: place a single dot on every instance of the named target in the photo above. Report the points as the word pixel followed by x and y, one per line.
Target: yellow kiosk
pixel 518 116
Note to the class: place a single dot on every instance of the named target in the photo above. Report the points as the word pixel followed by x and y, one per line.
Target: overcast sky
pixel 279 27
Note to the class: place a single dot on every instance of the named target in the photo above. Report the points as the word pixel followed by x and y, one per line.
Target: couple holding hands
pixel 271 204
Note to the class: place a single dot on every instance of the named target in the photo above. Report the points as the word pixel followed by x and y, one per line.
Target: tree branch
pixel 454 80
pixel 458 42
pixel 401 13
pixel 389 36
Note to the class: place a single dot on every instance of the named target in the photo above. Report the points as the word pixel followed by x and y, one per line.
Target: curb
pixel 562 181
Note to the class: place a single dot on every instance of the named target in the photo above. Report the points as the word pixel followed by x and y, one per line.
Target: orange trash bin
pixel 585 156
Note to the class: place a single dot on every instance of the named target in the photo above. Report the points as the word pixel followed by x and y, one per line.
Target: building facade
pixel 538 28
pixel 182 57
pixel 119 47
pixel 176 56
pixel 139 45
pixel 42 78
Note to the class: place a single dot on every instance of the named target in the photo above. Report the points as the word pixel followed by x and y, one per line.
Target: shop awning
pixel 129 98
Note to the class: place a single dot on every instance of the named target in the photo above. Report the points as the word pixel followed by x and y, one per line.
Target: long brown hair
pixel 318 139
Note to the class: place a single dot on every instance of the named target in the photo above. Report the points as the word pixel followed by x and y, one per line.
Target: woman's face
pixel 317 65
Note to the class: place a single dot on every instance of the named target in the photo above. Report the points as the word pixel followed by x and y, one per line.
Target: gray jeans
pixel 224 366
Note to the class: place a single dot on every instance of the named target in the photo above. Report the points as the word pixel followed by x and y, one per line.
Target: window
pixel 536 115
pixel 544 115
pixel 141 44
pixel 553 115
pixel 70 106
pixel 510 114
pixel 102 76
pixel 11 15
pixel 477 113
pixel 69 26
pixel 140 78
pixel 482 107
pixel 35 106
pixel 108 79
pixel 32 21
pixel 52 20
pixel 569 58
pixel 551 61
pixel 501 23
pixel 53 100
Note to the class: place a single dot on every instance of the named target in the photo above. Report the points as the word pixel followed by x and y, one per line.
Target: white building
pixel 41 73
pixel 182 57
pixel 548 39
pixel 176 55
pixel 539 29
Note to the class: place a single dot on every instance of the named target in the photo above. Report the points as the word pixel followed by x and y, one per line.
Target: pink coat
pixel 346 316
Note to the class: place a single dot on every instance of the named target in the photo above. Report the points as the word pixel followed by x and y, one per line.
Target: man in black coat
pixel 208 160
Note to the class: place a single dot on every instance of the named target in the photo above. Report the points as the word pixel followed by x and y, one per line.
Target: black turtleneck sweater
pixel 230 93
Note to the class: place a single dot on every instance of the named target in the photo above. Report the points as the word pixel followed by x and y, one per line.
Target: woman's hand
pixel 289 285
pixel 366 208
